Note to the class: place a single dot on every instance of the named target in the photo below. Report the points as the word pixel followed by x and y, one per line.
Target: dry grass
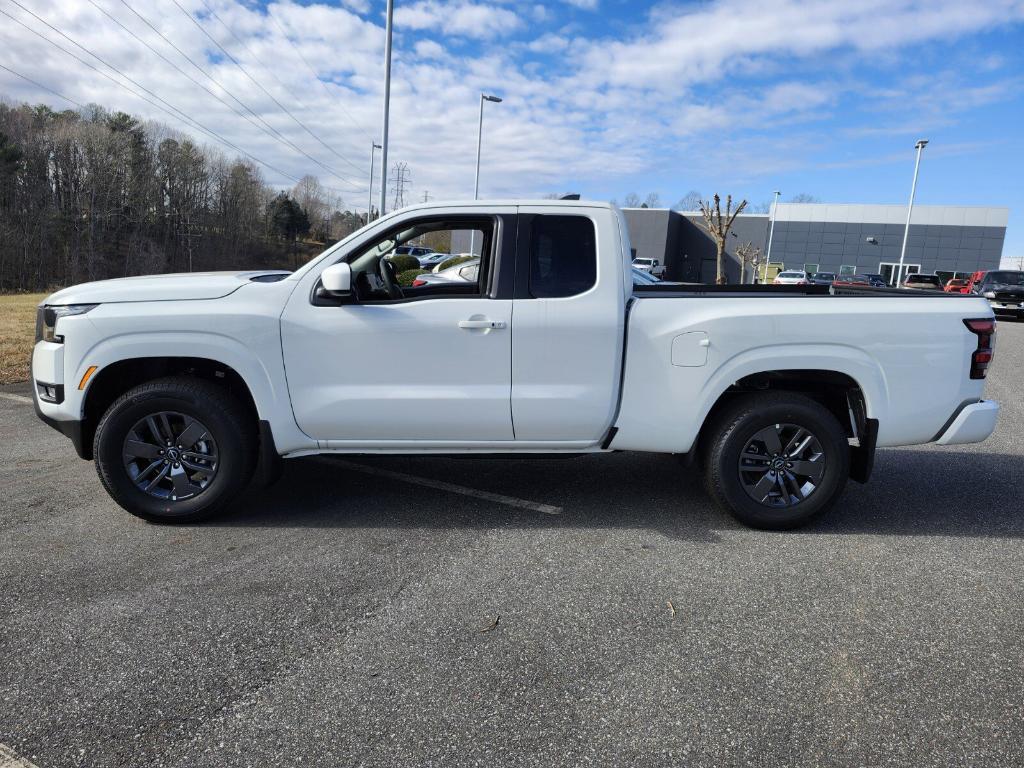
pixel 17 334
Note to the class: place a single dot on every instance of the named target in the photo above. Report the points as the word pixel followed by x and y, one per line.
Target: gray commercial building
pixel 844 239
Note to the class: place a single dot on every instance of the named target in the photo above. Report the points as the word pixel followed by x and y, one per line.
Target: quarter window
pixel 563 256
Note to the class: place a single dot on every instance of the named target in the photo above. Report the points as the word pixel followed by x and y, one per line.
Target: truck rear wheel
pixel 776 460
pixel 175 450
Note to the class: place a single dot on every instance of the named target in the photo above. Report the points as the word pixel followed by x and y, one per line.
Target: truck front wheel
pixel 175 450
pixel 775 460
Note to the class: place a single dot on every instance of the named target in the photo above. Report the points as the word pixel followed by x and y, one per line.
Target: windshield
pixel 791 274
pixel 1005 278
pixel 643 262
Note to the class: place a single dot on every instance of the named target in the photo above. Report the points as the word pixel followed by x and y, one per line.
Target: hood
pixel 177 287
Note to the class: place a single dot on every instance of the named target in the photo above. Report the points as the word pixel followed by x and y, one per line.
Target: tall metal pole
pixel 369 207
pixel 387 109
pixel 771 231
pixel 910 209
pixel 479 137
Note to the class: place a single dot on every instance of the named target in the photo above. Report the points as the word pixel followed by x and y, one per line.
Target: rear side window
pixel 563 256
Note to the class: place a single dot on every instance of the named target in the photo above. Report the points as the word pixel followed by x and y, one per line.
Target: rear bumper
pixel 972 425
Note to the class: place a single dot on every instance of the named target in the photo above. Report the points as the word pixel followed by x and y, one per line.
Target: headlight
pixel 990 294
pixel 47 317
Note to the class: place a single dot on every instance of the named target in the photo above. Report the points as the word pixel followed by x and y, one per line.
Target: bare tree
pixel 690 201
pixel 718 227
pixel 653 200
pixel 632 200
pixel 804 197
pixel 748 253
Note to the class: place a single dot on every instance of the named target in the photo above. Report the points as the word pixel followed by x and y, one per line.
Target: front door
pixel 430 366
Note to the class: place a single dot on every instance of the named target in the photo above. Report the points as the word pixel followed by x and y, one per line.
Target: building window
pixel 848 269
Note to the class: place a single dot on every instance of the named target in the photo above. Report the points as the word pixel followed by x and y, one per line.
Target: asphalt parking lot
pixel 349 617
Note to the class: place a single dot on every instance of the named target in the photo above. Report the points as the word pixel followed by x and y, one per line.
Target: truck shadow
pixel 914 492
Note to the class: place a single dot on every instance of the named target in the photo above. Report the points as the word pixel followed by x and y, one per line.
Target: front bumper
pixel 66 415
pixel 972 425
pixel 1007 307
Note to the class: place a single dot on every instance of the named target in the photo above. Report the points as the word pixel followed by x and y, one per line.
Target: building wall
pixel 941 238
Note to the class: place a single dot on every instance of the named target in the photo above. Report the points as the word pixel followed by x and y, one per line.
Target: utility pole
pixel 426 196
pixel 387 108
pixel 369 207
pixel 910 209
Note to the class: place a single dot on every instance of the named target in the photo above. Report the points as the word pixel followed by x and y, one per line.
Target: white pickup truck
pixel 182 387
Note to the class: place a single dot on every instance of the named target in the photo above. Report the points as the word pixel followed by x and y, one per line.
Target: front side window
pixel 390 267
pixel 563 256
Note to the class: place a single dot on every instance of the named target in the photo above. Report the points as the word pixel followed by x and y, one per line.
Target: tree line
pixel 94 194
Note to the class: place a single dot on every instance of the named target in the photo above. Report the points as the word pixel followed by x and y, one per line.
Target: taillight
pixel 981 358
pixel 417 283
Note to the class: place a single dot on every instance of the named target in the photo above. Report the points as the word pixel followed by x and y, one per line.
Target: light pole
pixel 387 108
pixel 771 229
pixel 479 136
pixel 910 209
pixel 369 208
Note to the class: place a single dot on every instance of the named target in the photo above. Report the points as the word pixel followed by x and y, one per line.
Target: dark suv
pixel 1004 289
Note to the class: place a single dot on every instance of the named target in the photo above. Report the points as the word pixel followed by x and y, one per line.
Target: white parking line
pixel 8 759
pixel 440 485
pixel 16 399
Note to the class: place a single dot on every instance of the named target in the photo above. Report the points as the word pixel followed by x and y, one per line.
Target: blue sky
pixel 603 97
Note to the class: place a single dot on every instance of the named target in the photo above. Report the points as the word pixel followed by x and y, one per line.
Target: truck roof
pixel 505 202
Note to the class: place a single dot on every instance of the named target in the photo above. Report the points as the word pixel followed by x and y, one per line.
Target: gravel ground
pixel 338 618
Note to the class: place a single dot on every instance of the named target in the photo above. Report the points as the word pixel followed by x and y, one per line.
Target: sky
pixel 600 97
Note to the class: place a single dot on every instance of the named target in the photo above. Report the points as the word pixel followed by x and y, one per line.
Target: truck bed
pixel 766 290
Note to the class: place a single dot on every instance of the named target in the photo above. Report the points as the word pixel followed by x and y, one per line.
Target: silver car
pixel 466 272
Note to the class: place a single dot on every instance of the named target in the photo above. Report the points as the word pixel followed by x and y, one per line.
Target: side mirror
pixel 337 280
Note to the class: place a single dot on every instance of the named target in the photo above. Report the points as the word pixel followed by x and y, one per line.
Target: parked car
pixel 416 251
pixel 791 277
pixel 853 281
pixel 822 278
pixel 923 282
pixel 1004 289
pixel 176 385
pixel 466 272
pixel 433 259
pixel 876 280
pixel 958 285
pixel 651 266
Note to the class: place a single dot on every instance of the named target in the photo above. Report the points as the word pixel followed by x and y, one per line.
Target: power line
pixel 271 70
pixel 259 85
pixel 186 119
pixel 316 77
pixel 40 85
pixel 170 109
pixel 279 137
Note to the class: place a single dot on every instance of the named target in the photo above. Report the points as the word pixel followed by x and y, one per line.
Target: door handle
pixel 496 324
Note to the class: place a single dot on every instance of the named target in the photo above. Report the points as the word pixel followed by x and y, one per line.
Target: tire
pixel 204 475
pixel 742 460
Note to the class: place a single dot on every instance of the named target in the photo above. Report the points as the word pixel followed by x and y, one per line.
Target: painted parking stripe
pixel 510 501
pixel 16 399
pixel 8 759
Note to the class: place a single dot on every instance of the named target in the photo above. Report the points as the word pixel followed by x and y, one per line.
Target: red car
pixel 958 285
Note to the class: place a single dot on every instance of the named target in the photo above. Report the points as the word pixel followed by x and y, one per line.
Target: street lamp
pixel 369 208
pixel 387 108
pixel 910 209
pixel 771 228
pixel 479 135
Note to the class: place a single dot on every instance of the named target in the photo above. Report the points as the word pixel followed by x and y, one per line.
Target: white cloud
pixel 462 18
pixel 660 98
